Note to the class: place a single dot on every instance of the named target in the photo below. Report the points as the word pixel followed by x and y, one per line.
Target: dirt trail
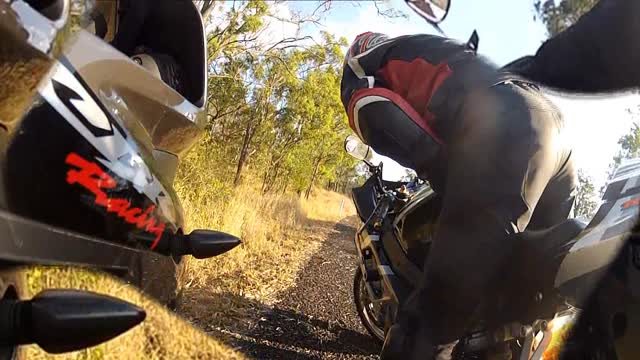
pixel 315 319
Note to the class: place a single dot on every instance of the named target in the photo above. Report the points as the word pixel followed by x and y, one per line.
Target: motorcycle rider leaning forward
pixel 489 143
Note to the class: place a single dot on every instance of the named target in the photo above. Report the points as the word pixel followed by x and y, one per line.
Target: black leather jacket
pixel 599 53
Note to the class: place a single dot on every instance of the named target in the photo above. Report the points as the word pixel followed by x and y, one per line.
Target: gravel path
pixel 316 319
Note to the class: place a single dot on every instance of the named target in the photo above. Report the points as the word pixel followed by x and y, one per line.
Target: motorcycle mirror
pixel 356 148
pixel 434 11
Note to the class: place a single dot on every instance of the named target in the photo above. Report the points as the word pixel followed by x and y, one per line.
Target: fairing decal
pixel 597 247
pixel 90 176
pixel 78 106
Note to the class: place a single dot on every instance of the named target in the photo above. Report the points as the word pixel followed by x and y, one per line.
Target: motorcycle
pixel 90 141
pixel 548 280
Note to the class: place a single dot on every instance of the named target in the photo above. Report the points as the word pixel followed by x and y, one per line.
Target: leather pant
pixel 507 169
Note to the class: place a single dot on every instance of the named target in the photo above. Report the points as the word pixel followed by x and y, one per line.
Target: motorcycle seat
pixel 531 270
pixel 538 254
pixel 553 241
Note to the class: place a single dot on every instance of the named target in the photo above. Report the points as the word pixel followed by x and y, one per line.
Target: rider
pixel 583 58
pixel 598 53
pixel 490 144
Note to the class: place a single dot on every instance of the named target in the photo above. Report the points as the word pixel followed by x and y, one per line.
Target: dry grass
pixel 327 206
pixel 276 244
pixel 163 335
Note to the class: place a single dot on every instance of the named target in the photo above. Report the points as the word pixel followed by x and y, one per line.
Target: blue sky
pixel 502 38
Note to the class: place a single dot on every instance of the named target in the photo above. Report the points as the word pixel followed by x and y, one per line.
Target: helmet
pixel 364 42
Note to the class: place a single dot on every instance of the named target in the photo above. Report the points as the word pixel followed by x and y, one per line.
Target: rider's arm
pixel 387 122
pixel 598 53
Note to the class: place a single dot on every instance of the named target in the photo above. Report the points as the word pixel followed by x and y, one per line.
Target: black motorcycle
pixel 551 276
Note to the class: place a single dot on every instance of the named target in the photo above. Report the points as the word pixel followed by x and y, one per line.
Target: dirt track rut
pixel 315 319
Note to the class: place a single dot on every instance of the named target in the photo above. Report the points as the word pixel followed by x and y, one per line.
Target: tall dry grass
pixel 277 241
pixel 327 206
pixel 163 335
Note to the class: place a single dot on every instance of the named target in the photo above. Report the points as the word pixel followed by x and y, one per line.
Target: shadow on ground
pixel 286 334
pixel 315 319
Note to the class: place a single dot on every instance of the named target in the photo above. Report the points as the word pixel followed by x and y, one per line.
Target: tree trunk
pixel 264 179
pixel 269 182
pixel 205 11
pixel 316 167
pixel 244 150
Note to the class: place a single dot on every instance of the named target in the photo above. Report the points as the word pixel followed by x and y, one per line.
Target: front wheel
pixel 371 315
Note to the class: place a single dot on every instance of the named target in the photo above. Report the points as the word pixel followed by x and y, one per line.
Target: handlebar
pixel 386 197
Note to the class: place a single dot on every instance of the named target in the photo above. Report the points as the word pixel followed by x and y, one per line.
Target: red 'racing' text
pixel 94 179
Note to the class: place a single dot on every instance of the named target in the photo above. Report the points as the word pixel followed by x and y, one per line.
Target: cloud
pixel 366 18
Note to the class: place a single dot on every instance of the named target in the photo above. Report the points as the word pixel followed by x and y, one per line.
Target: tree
pixel 384 8
pixel 629 147
pixel 629 144
pixel 586 201
pixel 558 17
pixel 205 7
pixel 275 118
pixel 409 175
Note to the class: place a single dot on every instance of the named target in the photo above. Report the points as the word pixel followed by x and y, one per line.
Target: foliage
pixel 559 16
pixel 162 335
pixel 586 202
pixel 274 109
pixel 629 146
pixel 409 175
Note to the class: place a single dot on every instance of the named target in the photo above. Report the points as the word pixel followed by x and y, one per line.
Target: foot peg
pixel 65 320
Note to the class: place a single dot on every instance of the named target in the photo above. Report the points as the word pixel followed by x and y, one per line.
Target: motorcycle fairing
pixel 595 249
pixel 117 152
pixel 71 173
pixel 416 201
pixel 98 105
pixel 32 242
pixel 364 198
pixel 415 223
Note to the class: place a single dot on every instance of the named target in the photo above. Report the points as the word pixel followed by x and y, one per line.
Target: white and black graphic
pixel 608 231
pixel 87 112
pixel 78 107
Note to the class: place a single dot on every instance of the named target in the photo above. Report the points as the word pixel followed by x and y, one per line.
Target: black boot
pixel 401 345
pixel 394 344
